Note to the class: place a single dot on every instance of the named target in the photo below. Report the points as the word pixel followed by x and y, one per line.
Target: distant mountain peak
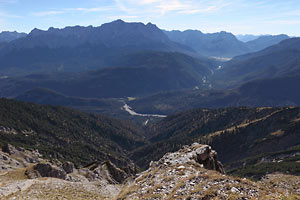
pixel 35 32
pixel 120 21
pixel 195 31
pixel 151 25
pixel 8 36
pixel 52 28
pixel 225 34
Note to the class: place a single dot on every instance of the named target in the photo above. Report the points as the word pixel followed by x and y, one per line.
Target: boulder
pixel 3 157
pixel 8 148
pixel 208 157
pixel 45 170
pixel 68 167
pixel 106 170
pixel 116 173
pixel 31 159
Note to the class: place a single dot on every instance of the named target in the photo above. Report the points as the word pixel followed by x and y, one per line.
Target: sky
pixel 236 16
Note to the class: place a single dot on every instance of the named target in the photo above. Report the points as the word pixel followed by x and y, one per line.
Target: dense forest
pixel 66 134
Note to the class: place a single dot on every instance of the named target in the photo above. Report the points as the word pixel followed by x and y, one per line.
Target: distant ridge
pixel 82 48
pixel 223 44
pixel 7 36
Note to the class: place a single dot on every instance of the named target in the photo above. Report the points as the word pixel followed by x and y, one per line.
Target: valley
pixel 131 112
pixel 127 110
pixel 127 143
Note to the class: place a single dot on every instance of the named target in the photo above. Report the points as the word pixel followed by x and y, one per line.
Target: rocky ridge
pixel 195 173
pixel 25 174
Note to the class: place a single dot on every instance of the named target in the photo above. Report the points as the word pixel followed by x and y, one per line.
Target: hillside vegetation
pixel 243 137
pixel 67 134
pixel 236 134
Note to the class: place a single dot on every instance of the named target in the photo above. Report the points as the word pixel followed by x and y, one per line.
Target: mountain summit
pixel 80 48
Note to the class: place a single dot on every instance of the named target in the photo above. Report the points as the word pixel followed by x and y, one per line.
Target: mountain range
pixel 7 36
pixel 266 78
pixel 149 100
pixel 222 44
pixel 74 49
pixel 79 62
pixel 275 61
pixel 133 74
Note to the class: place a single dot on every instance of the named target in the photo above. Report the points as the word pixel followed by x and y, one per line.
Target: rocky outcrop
pixel 15 157
pixel 8 148
pixel 115 173
pixel 208 157
pixel 193 172
pixel 47 177
pixel 45 170
pixel 108 171
pixel 25 156
pixel 201 154
pixel 7 163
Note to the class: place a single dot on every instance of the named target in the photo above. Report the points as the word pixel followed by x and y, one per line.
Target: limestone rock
pixel 45 170
pixel 116 173
pixel 209 158
pixel 201 154
pixel 194 173
pixel 108 171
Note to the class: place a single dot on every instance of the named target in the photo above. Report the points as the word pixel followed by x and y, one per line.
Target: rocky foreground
pixel 193 172
pixel 25 174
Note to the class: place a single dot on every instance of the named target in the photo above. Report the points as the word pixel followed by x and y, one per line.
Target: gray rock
pixel 108 171
pixel 68 167
pixel 20 149
pixel 116 173
pixel 32 160
pixel 46 170
pixel 199 153
pixel 8 148
pixel 3 157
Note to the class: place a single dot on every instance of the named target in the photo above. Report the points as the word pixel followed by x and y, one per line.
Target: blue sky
pixel 237 16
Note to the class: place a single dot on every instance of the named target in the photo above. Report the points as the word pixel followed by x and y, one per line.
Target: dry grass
pixel 48 189
pixel 18 174
pixel 208 184
pixel 242 125
pixel 278 133
pixel 296 120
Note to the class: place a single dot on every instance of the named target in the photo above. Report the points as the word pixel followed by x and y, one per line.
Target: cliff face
pixel 194 172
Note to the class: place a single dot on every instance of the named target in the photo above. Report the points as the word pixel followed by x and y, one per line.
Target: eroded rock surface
pixel 24 174
pixel 8 148
pixel 194 172
pixel 45 170
pixel 198 153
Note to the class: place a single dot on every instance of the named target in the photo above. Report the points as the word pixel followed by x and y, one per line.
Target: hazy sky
pixel 237 16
